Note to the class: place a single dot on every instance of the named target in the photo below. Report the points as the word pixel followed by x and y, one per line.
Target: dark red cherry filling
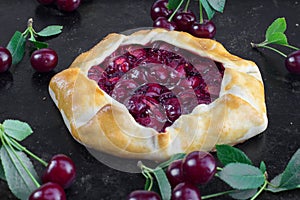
pixel 158 82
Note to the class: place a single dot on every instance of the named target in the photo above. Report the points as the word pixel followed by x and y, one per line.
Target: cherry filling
pixel 158 82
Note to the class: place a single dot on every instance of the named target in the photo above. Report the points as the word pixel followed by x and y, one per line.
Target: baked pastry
pixel 155 93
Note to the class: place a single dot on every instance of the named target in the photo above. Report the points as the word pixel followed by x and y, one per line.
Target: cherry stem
pixel 29 152
pixel 146 171
pixel 217 194
pixel 219 168
pixel 290 46
pixel 187 5
pixel 200 12
pixel 5 141
pixel 175 11
pixel 260 190
pixel 262 45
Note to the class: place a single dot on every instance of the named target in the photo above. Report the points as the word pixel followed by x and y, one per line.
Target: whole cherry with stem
pixel 203 28
pixel 184 18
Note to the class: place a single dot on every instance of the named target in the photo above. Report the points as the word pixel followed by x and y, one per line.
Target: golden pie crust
pixel 100 122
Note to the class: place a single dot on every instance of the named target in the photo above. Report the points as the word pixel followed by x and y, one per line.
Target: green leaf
pixel 208 9
pixel 274 186
pixel 38 44
pixel 173 4
pixel 16 46
pixel 163 183
pixel 50 31
pixel 242 176
pixel 262 167
pixel 17 129
pixel 228 154
pixel 18 180
pixel 278 26
pixel 243 194
pixel 278 38
pixel 2 174
pixel 173 158
pixel 291 175
pixel 217 5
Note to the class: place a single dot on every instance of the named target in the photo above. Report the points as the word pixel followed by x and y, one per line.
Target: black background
pixel 24 93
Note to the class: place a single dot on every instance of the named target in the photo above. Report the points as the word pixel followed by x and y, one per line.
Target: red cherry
pixel 174 173
pixel 48 191
pixel 60 170
pixel 184 20
pixel 5 59
pixel 68 5
pixel 205 30
pixel 159 9
pixel 162 22
pixel 292 62
pixel 143 195
pixel 44 60
pixel 186 191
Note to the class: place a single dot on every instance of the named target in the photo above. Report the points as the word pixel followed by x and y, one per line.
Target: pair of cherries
pixel 196 168
pixel 63 5
pixel 60 173
pixel 183 20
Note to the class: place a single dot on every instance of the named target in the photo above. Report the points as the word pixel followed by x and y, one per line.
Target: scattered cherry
pixel 159 9
pixel 292 62
pixel 44 60
pixel 174 173
pixel 184 20
pixel 46 2
pixel 5 59
pixel 162 22
pixel 185 191
pixel 48 191
pixel 199 167
pixel 68 5
pixel 207 29
pixel 60 170
pixel 143 195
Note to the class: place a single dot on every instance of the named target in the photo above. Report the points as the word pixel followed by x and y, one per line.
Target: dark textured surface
pixel 24 94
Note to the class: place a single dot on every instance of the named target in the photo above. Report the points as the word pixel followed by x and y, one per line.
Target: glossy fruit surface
pixel 143 195
pixel 292 62
pixel 186 191
pixel 159 9
pixel 199 167
pixel 174 173
pixel 184 20
pixel 46 2
pixel 205 30
pixel 5 59
pixel 48 191
pixel 44 60
pixel 163 22
pixel 60 170
pixel 68 5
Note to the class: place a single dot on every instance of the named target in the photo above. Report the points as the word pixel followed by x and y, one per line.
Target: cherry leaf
pixel 217 5
pixel 17 129
pixel 50 31
pixel 243 194
pixel 163 183
pixel 38 44
pixel 2 174
pixel 278 38
pixel 278 26
pixel 16 46
pixel 208 9
pixel 228 154
pixel 242 176
pixel 18 180
pixel 262 167
pixel 173 4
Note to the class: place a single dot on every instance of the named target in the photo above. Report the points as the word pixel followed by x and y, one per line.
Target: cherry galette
pixel 155 93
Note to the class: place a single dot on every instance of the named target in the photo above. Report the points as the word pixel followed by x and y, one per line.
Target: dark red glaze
pixel 186 191
pixel 5 59
pixel 48 191
pixel 163 22
pixel 158 82
pixel 143 195
pixel 46 2
pixel 68 5
pixel 44 60
pixel 159 9
pixel 174 173
pixel 292 62
pixel 199 167
pixel 205 30
pixel 184 20
pixel 60 170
